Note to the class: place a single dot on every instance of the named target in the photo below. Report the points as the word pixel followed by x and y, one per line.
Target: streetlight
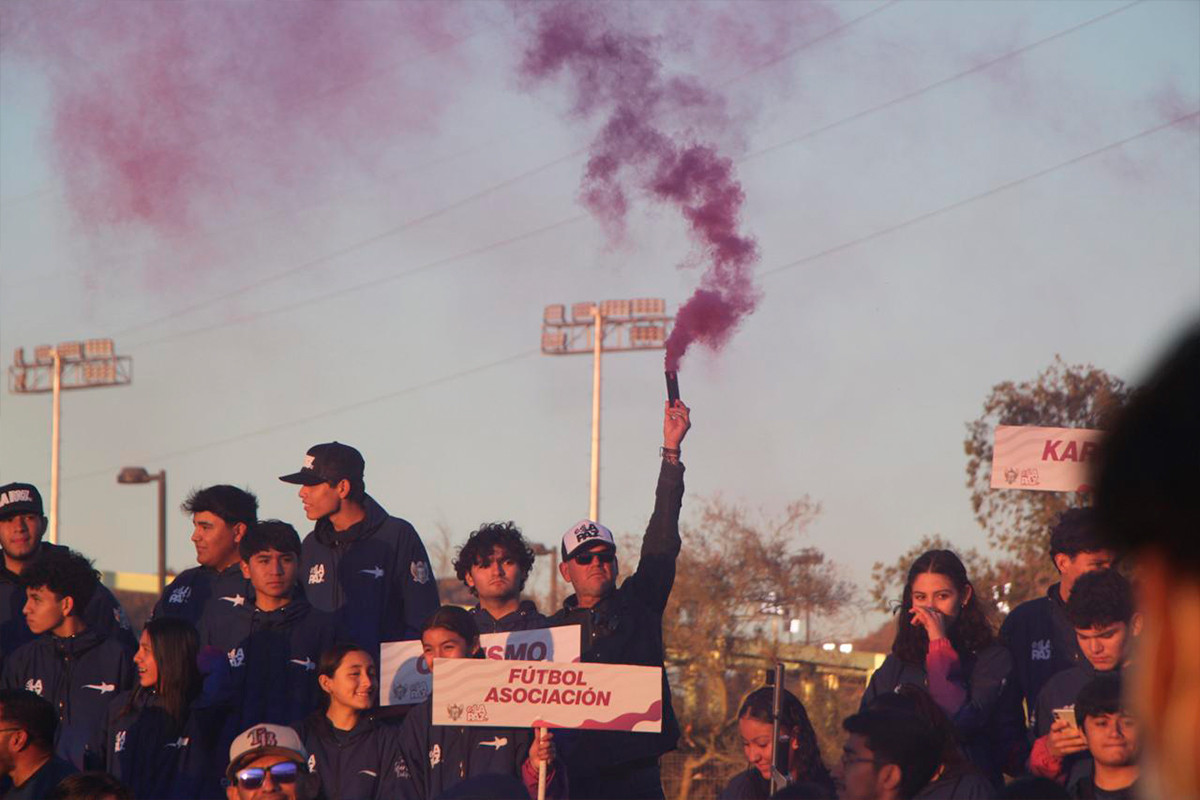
pixel 69 365
pixel 140 475
pixel 627 325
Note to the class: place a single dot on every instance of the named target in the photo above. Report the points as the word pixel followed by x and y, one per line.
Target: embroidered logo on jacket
pixel 420 571
pixel 401 768
pixel 236 657
pixel 495 743
pixel 316 574
pixel 1040 650
pixel 375 572
pixel 119 742
pixel 308 664
pixel 180 595
pixel 179 743
pixel 236 600
pixel 369 773
pixel 102 688
pixel 312 763
pixel 435 755
pixel 34 686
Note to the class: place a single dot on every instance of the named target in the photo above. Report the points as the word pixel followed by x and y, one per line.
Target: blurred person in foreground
pixel 796 738
pixel 90 786
pixel 29 769
pixel 888 755
pixel 269 762
pixel 1148 503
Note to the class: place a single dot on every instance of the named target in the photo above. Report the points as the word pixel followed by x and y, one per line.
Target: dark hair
pixel 270 534
pixel 969 634
pixel 909 698
pixel 67 574
pixel 1100 696
pixel 328 664
pixel 358 488
pixel 230 503
pixel 1075 532
pixel 481 542
pixel 90 786
pixel 902 739
pixel 1146 496
pixel 32 713
pixel 456 619
pixel 176 646
pixel 758 705
pixel 1100 598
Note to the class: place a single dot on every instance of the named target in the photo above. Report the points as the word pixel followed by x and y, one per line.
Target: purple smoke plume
pixel 617 74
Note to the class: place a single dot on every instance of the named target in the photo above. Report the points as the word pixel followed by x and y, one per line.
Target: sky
pixel 352 236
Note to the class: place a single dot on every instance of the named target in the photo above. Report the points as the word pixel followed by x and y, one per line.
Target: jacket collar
pixel 372 522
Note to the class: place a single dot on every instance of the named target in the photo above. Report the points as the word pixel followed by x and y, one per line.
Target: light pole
pixel 542 550
pixel 68 365
pixel 628 325
pixel 140 475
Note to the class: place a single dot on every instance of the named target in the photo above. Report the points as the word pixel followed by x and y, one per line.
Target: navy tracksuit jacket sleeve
pixel 420 597
pixel 414 747
pixel 655 575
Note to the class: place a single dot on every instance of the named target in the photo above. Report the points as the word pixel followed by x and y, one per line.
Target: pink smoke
pixel 164 112
pixel 618 74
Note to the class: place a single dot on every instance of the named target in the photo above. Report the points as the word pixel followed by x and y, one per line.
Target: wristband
pixel 671 453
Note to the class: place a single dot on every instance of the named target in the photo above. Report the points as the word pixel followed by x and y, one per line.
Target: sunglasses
pixel 604 558
pixel 284 772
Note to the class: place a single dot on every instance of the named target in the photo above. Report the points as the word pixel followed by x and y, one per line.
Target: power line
pixel 781 268
pixel 966 200
pixel 511 181
pixel 319 415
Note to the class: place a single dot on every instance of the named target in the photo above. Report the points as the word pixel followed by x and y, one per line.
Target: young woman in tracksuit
pixel 440 757
pixel 796 737
pixel 946 644
pixel 355 756
pixel 163 737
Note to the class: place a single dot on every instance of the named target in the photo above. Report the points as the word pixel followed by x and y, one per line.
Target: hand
pixel 933 620
pixel 1064 739
pixel 676 424
pixel 542 748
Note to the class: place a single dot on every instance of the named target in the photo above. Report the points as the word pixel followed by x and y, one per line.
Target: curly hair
pixel 758 706
pixel 505 535
pixel 969 634
pixel 67 574
pixel 1099 599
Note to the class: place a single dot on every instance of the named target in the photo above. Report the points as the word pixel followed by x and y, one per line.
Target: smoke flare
pixel 618 74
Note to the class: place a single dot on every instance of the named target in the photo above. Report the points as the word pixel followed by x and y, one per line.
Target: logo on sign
pixel 455 711
pixel 1010 475
pixel 477 712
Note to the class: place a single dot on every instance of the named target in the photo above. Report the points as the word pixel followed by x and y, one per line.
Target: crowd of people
pixel 257 675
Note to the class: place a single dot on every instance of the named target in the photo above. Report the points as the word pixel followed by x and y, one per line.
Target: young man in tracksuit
pixel 22 525
pixel 1037 632
pixel 221 515
pixel 273 644
pixel 369 568
pixel 624 626
pixel 1102 615
pixel 494 564
pixel 77 669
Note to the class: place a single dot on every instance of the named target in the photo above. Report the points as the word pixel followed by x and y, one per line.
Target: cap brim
pixel 302 478
pixel 589 546
pixel 18 508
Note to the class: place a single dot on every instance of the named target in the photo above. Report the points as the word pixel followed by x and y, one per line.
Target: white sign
pixel 534 694
pixel 404 679
pixel 1044 459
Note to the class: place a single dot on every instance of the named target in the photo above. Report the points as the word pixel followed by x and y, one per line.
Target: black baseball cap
pixel 328 463
pixel 20 498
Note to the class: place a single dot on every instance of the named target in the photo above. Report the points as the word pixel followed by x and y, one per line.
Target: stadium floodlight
pixel 132 475
pixel 610 326
pixel 69 365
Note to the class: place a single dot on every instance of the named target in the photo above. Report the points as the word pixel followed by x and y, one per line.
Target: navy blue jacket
pixel 39 785
pixel 375 575
pixel 273 658
pixel 986 735
pixel 441 756
pixel 79 675
pixel 200 592
pixel 103 613
pixel 525 618
pixel 1061 690
pixel 364 763
pixel 158 757
pixel 626 628
pixel 1042 642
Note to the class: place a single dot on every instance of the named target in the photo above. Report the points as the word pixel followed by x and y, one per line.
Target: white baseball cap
pixel 583 534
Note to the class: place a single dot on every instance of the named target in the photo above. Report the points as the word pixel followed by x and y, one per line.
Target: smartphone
pixel 1066 714
pixel 672 386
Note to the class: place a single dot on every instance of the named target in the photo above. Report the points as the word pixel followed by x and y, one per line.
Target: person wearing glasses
pixel 623 625
pixel 28 766
pixel 888 755
pixel 269 761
